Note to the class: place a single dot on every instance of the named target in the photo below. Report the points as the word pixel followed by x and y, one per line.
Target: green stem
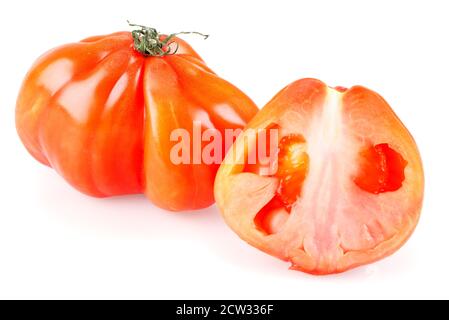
pixel 148 41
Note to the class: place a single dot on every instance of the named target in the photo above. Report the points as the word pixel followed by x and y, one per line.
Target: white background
pixel 58 243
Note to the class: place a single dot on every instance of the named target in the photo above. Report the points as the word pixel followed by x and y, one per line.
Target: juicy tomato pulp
pixel 381 169
pixel 292 167
pixel 348 186
pixel 102 114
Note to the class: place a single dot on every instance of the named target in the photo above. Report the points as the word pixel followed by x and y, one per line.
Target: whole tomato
pixel 101 112
pixel 344 186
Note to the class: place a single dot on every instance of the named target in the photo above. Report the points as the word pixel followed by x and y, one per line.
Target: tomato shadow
pixel 128 215
pixel 134 217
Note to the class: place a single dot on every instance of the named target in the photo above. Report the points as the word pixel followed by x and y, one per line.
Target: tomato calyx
pixel 150 43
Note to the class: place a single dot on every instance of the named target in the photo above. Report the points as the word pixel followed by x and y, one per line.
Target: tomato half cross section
pixel 101 112
pixel 347 188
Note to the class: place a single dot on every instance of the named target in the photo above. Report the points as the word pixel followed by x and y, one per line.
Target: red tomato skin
pixel 86 108
pixel 318 236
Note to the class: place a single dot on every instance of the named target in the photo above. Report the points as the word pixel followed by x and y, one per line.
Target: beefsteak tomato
pixel 348 185
pixel 101 111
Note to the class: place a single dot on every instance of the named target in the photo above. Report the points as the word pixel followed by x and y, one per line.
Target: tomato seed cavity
pixel 292 169
pixel 381 169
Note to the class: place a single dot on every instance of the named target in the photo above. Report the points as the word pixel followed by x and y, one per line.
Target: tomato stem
pixel 148 41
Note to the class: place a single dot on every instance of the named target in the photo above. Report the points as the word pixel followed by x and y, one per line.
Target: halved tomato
pixel 349 183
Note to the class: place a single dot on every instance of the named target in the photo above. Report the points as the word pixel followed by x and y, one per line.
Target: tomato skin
pixel 350 211
pixel 95 111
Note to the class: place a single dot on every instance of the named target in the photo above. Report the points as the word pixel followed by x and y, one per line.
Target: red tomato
pixel 101 111
pixel 349 183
